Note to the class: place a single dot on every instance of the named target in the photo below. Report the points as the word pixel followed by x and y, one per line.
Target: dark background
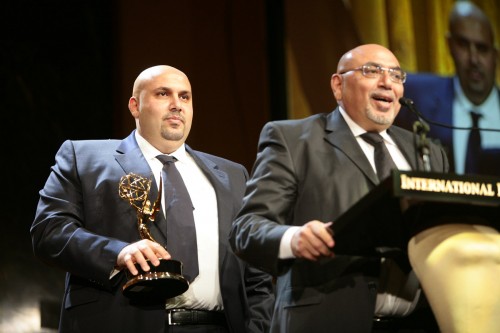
pixel 56 83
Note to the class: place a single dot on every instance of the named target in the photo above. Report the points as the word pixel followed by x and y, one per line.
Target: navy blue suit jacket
pixel 81 225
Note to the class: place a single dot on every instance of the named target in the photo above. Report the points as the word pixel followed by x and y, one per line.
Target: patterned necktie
pixel 181 231
pixel 383 160
pixel 473 145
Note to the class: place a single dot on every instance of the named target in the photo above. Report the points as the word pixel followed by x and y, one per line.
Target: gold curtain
pixel 414 30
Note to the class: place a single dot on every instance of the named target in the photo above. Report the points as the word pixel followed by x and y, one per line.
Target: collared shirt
pixel 204 292
pixel 490 111
pixel 368 149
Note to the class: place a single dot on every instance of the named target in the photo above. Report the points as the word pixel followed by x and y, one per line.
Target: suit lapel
pixel 339 135
pixel 131 160
pixel 220 181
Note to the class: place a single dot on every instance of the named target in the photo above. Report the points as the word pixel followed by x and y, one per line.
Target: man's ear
pixel 336 85
pixel 133 106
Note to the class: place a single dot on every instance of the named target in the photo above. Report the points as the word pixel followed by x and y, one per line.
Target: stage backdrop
pixel 414 30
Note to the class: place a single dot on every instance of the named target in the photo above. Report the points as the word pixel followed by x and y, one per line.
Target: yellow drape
pixel 414 30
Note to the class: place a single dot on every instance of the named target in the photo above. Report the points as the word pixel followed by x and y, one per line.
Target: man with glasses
pixel 460 100
pixel 374 70
pixel 308 172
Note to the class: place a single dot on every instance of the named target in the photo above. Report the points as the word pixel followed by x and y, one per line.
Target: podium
pixel 409 202
pixel 444 227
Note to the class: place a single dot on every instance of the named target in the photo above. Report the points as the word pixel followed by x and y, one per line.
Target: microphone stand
pixel 422 143
pixel 420 130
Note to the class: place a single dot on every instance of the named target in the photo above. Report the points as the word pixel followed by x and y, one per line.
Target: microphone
pixel 411 106
pixel 420 130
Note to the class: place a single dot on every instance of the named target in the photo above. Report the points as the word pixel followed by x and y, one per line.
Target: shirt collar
pixel 358 130
pixel 151 152
pixel 490 104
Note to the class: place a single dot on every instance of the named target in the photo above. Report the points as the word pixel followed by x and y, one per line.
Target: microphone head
pixel 406 102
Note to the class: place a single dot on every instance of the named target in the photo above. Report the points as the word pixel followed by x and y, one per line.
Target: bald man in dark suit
pixel 84 227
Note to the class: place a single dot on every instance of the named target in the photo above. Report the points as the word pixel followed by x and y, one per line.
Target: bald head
pixel 464 11
pixel 369 98
pixel 162 106
pixel 361 54
pixel 150 73
pixel 471 42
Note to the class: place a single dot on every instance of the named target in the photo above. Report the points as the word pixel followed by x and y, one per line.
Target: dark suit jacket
pixel 81 225
pixel 313 169
pixel 433 97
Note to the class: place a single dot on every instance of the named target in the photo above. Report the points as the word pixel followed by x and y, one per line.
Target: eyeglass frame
pixel 380 71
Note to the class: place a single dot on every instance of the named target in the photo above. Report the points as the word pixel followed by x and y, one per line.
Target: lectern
pixel 409 202
pixel 444 227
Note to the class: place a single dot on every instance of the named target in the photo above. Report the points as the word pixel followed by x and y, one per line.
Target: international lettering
pixel 483 189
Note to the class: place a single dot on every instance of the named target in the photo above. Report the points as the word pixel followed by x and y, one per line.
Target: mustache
pixel 174 115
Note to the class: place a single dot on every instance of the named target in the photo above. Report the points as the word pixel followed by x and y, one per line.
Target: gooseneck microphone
pixel 411 106
pixel 420 130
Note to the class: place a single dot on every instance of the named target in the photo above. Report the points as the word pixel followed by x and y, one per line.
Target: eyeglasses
pixel 375 71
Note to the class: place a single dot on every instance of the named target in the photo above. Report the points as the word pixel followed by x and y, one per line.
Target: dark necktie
pixel 473 145
pixel 383 160
pixel 181 231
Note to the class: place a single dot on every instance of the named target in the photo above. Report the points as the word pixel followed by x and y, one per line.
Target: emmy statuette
pixel 165 280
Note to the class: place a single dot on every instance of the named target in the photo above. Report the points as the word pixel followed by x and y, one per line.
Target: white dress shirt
pixel 204 292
